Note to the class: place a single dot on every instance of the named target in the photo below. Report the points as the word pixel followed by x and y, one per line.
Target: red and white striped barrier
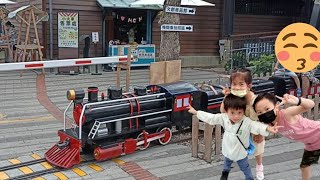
pixel 62 63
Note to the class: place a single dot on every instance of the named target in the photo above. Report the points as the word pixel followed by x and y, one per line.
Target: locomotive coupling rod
pixel 150 139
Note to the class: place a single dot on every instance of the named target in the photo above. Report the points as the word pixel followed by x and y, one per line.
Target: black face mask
pixel 267 117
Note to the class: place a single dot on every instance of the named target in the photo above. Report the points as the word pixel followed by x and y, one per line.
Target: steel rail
pixel 28 163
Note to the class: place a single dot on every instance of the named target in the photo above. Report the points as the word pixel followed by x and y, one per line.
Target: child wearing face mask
pixel 237 129
pixel 241 83
pixel 294 126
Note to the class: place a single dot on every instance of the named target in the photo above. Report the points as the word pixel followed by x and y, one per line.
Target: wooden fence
pixel 314 112
pixel 207 148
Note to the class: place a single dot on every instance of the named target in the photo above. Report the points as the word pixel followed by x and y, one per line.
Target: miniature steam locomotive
pixel 122 123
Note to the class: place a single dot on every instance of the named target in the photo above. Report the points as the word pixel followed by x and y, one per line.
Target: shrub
pixel 239 60
pixel 263 64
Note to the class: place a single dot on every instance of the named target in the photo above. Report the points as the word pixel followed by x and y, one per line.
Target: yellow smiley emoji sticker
pixel 297 47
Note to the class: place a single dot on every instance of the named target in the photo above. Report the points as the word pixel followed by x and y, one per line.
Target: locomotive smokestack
pixel 93 94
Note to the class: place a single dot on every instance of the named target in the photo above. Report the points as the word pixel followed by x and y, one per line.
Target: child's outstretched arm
pixel 209 118
pixel 192 110
pixel 274 129
pixel 301 105
pixel 226 91
pixel 222 110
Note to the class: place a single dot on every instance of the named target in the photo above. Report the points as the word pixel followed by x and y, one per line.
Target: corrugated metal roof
pixel 126 4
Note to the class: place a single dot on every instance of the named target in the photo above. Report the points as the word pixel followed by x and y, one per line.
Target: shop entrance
pixel 130 26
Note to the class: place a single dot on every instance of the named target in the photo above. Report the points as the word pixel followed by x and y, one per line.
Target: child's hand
pixel 274 129
pixel 225 90
pixel 191 110
pixel 288 99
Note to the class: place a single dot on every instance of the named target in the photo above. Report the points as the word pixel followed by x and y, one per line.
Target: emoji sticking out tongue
pixel 297 47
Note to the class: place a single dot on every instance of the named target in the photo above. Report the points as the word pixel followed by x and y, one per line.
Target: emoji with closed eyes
pixel 297 47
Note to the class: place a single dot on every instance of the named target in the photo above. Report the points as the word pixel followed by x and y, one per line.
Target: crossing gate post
pixel 205 148
pixel 127 66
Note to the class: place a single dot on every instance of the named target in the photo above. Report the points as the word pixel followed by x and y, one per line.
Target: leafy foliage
pixel 263 64
pixel 239 60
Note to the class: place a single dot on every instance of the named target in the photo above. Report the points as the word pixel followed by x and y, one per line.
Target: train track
pixel 52 170
pixel 28 163
pixel 56 169
pixel 37 174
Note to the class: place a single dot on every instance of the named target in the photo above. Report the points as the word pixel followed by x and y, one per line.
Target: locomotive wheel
pixel 167 136
pixel 141 137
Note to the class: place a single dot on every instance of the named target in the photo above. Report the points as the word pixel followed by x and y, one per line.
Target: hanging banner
pixel 68 30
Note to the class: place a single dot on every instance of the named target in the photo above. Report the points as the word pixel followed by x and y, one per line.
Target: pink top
pixel 304 130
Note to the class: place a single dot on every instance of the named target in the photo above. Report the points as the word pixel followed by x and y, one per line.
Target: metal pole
pixel 104 33
pixel 314 20
pixel 51 29
pixel 95 55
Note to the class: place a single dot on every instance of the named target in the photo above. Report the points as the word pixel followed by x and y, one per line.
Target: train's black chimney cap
pixel 114 92
pixel 140 90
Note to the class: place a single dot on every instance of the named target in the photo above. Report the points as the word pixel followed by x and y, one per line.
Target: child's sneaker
pixel 259 172
pixel 224 175
pixel 298 92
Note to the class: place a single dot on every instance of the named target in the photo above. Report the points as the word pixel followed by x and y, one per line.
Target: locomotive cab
pixel 179 95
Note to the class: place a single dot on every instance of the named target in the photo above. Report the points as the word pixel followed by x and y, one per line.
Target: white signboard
pixel 174 27
pixel 180 10
pixel 95 37
pixel 68 30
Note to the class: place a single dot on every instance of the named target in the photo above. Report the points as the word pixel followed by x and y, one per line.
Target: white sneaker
pixel 259 172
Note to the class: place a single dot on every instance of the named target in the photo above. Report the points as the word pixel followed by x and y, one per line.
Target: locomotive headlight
pixel 75 94
pixel 71 95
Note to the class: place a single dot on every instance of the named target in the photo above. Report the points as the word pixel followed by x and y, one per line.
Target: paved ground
pixel 28 129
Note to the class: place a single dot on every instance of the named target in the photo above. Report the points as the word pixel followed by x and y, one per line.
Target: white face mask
pixel 239 93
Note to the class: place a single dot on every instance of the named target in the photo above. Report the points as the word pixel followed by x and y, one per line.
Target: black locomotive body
pixel 121 123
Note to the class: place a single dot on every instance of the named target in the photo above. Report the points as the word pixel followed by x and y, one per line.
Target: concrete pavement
pixel 27 127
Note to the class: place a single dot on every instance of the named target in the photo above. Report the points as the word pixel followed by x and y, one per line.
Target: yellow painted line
pixel 26 170
pixel 79 172
pixel 2 115
pixel 60 175
pixel 46 165
pixel 36 156
pixel 14 161
pixel 3 176
pixel 95 167
pixel 39 178
pixel 44 118
pixel 119 161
